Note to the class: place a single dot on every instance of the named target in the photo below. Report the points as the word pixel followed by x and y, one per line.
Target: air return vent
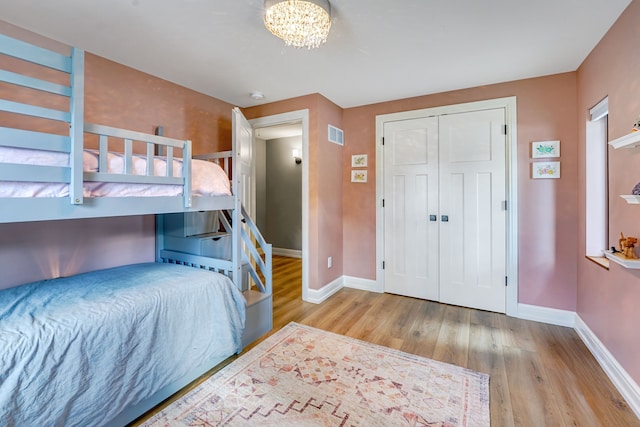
pixel 336 135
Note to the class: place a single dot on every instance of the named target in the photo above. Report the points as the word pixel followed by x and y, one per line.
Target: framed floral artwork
pixel 359 161
pixel 545 170
pixel 358 176
pixel 545 149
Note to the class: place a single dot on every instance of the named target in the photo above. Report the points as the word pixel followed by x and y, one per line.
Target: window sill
pixel 600 260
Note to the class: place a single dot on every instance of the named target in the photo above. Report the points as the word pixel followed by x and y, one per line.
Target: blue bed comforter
pixel 78 350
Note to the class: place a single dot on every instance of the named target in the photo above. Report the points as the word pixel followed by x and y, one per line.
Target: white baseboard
pixel 552 316
pixel 291 253
pixel 318 296
pixel 361 284
pixel 627 387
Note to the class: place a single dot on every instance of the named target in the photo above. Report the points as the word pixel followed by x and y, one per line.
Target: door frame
pixel 509 105
pixel 302 117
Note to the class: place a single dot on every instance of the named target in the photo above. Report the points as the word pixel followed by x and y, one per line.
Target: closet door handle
pixel 433 217
pixel 445 218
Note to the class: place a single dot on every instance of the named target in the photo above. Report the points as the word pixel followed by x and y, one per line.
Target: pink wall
pixel 325 183
pixel 33 251
pixel 547 217
pixel 608 299
pixel 329 176
pixel 119 96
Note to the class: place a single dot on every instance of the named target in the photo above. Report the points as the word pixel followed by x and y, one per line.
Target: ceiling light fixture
pixel 257 95
pixel 300 23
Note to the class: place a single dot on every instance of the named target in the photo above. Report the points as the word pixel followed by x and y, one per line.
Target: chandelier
pixel 300 23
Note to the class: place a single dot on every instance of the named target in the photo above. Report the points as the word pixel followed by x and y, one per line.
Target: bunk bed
pixel 92 171
pixel 70 175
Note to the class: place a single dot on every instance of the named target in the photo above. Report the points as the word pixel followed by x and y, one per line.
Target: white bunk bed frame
pixel 76 206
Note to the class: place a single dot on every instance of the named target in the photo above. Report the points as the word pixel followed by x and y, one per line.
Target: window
pixel 597 221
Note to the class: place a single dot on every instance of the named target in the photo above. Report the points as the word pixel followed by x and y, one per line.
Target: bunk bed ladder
pixel 257 260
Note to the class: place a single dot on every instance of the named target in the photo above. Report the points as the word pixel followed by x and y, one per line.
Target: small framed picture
pixel 359 161
pixel 358 176
pixel 545 170
pixel 545 149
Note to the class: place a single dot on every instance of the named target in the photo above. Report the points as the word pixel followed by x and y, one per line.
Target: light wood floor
pixel 541 375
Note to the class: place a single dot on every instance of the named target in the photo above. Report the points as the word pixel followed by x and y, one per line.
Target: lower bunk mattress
pixel 79 350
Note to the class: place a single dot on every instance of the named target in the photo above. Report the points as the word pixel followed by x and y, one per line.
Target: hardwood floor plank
pixel 422 338
pixel 382 330
pixel 453 340
pixel 485 355
pixel 530 397
pixel 573 366
pixel 517 333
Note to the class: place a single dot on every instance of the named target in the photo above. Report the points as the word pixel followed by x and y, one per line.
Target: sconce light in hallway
pixel 295 153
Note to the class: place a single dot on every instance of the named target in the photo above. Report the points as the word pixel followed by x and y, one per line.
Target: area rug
pixel 303 376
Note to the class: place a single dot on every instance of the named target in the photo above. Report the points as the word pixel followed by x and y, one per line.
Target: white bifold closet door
pixel 444 215
pixel 410 196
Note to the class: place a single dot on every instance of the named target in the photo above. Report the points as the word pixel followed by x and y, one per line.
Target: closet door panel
pixel 452 251
pixel 411 186
pixel 472 192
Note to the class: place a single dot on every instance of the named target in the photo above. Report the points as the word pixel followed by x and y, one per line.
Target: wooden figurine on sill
pixel 627 246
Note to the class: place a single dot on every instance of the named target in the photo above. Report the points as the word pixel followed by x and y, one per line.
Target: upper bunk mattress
pixel 75 351
pixel 208 179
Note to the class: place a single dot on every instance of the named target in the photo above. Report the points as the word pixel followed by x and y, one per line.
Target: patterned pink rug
pixel 302 376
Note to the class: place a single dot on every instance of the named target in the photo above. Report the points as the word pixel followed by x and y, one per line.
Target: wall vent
pixel 336 135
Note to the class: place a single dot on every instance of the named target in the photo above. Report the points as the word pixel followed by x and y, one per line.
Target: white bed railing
pixel 212 264
pixel 252 236
pixel 221 158
pixel 257 253
pixel 154 144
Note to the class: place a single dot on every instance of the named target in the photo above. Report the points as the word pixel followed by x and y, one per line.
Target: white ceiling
pixel 378 50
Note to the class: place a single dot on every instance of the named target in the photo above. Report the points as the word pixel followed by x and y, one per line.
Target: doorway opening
pixel 278 152
pixel 280 176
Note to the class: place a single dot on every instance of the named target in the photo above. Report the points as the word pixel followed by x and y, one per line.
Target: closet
pixel 444 194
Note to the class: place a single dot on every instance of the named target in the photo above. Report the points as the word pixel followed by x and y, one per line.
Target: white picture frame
pixel 542 170
pixel 359 161
pixel 545 149
pixel 358 175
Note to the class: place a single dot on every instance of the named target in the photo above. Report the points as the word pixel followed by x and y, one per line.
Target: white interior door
pixel 243 138
pixel 411 197
pixel 472 196
pixel 444 218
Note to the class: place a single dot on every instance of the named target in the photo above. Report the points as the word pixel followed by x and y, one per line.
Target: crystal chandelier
pixel 300 23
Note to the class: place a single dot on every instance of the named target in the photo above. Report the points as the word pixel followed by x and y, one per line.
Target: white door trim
pixel 298 116
pixel 509 105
